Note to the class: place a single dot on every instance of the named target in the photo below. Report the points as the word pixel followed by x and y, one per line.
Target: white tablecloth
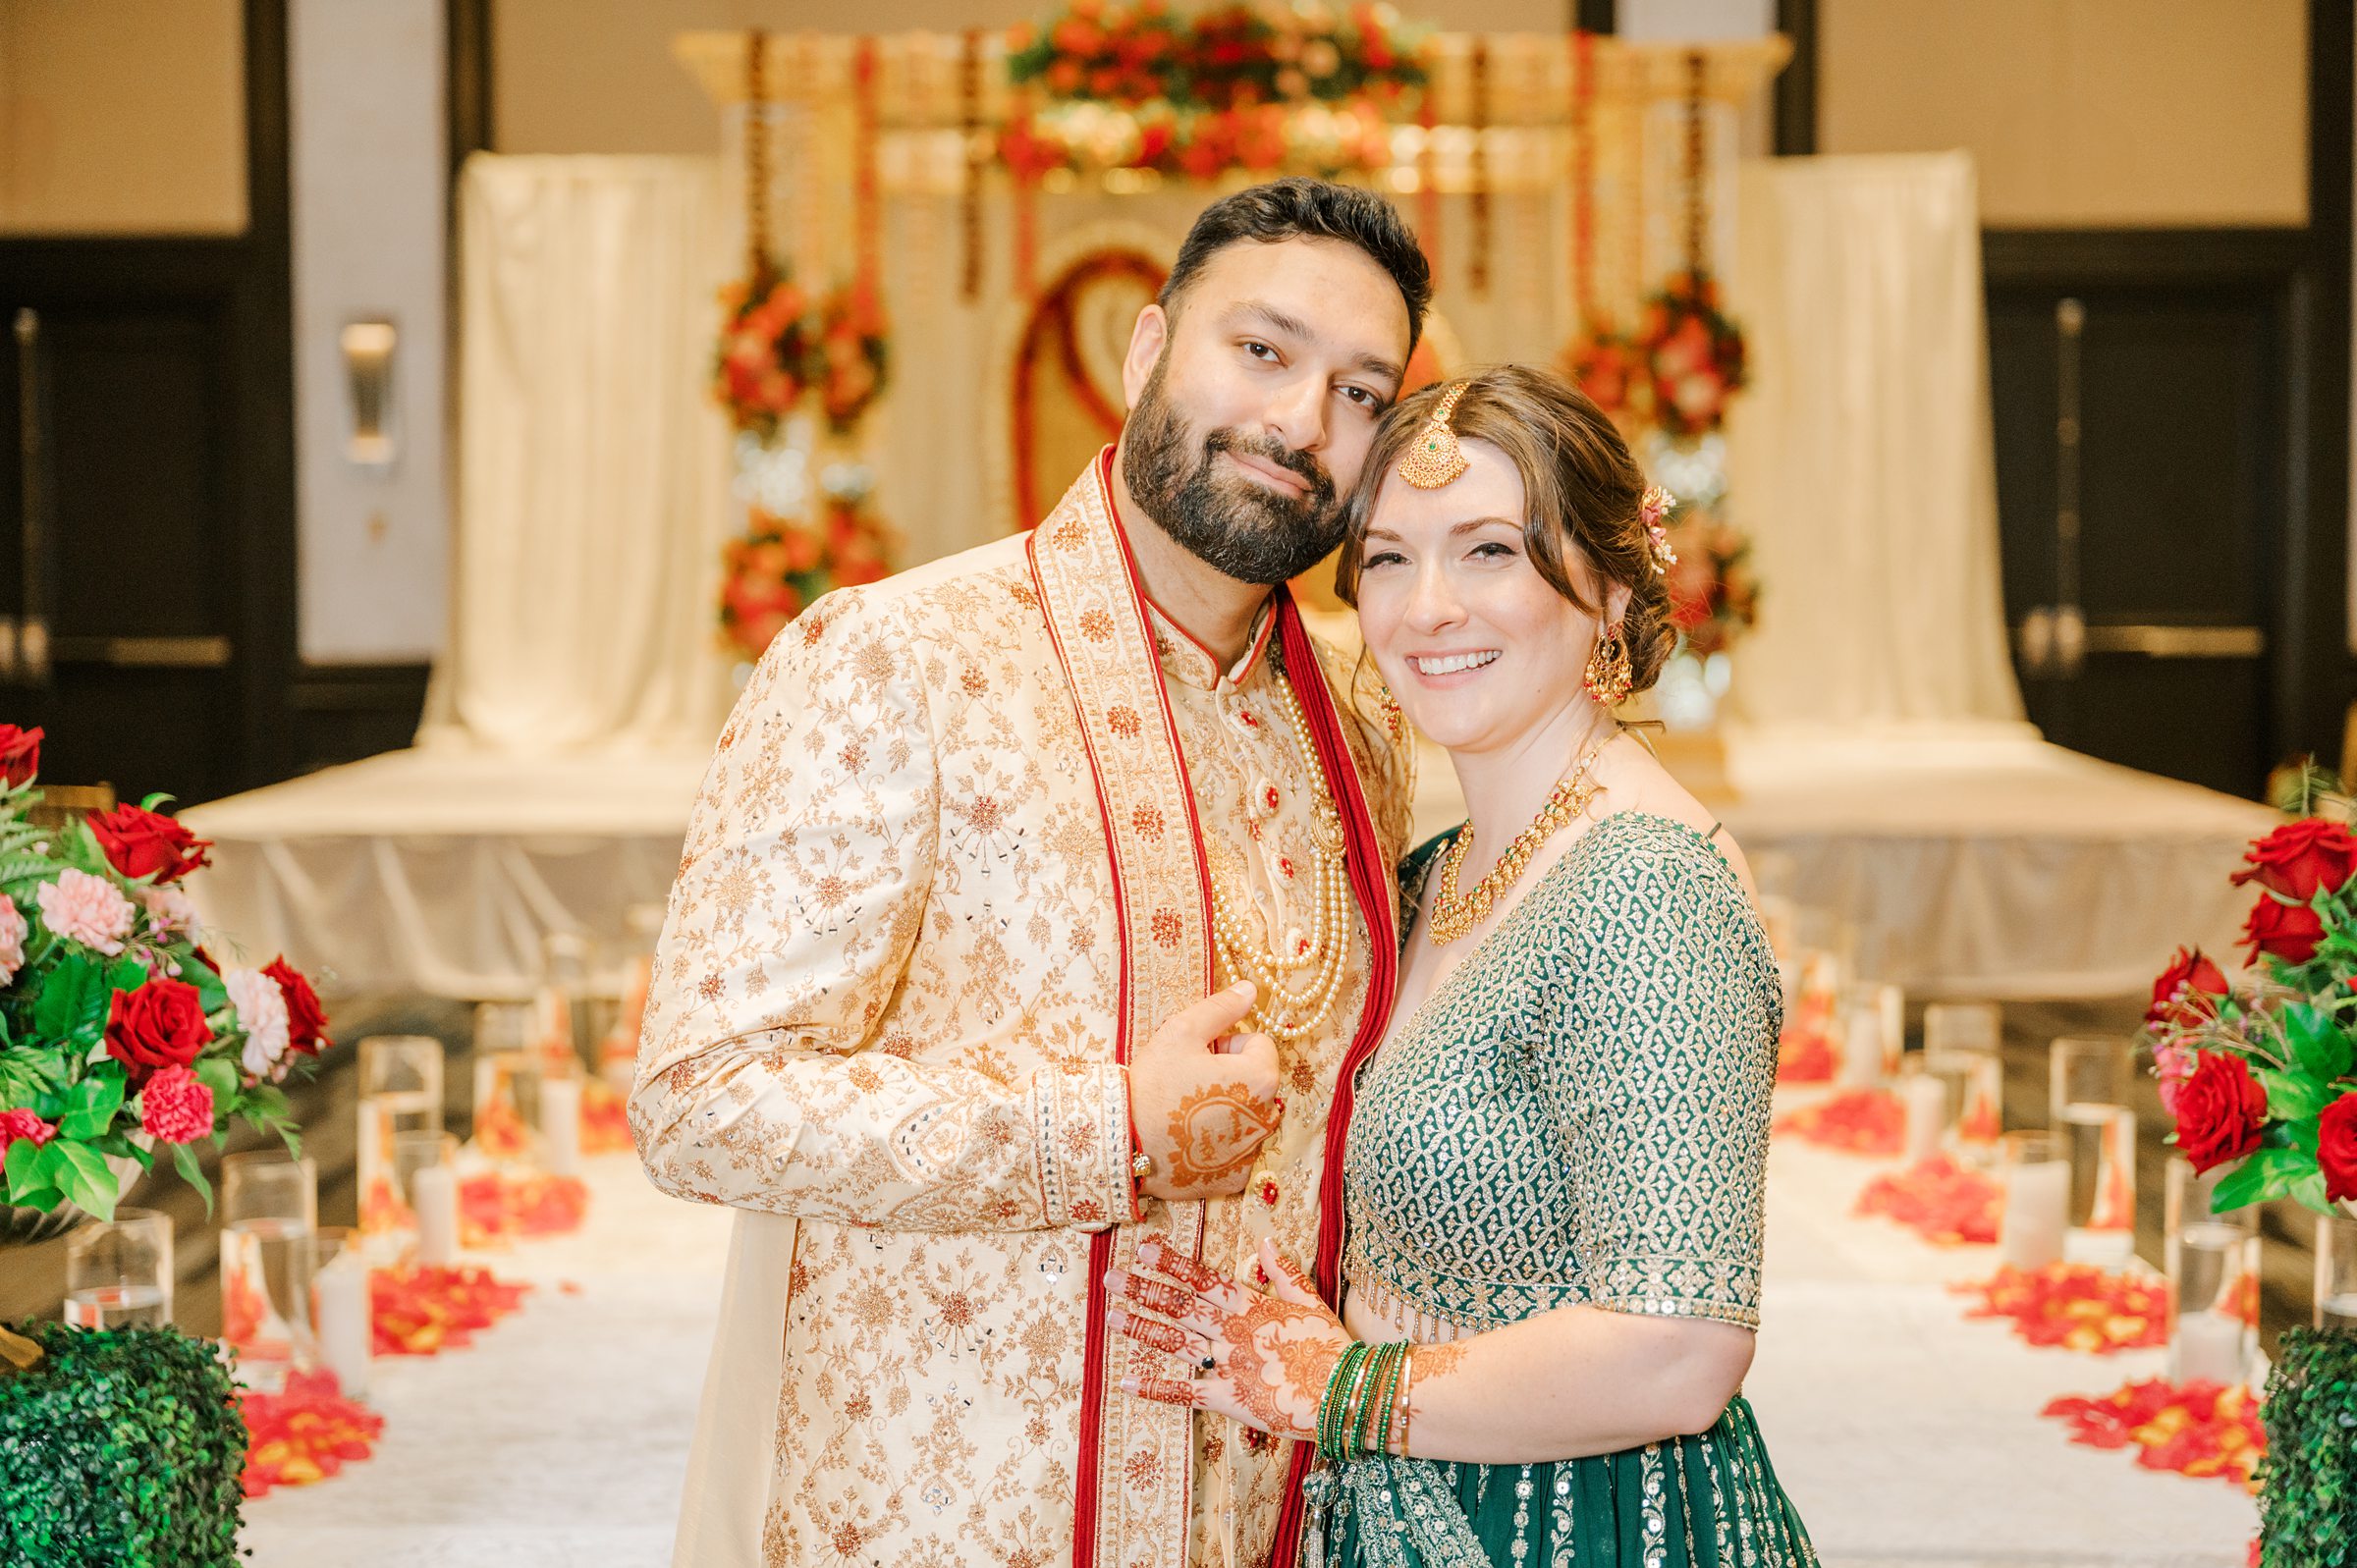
pixel 1974 859
pixel 1907 1435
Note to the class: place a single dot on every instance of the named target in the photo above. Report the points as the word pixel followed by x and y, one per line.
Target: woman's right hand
pixel 1204 1099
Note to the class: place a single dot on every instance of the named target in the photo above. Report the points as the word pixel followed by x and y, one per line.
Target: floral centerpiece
pixel 121 1038
pixel 2260 1072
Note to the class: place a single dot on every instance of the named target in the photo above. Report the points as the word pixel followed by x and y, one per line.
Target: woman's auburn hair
pixel 1581 487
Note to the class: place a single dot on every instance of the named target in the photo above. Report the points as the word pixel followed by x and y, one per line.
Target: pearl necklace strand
pixel 1455 913
pixel 1284 1013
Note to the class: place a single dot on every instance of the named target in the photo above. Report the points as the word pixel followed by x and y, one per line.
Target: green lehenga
pixel 1577 1116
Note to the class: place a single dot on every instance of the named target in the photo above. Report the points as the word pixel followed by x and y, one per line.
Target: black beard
pixel 1235 525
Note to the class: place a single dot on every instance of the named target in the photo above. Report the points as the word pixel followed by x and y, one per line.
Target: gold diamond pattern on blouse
pixel 1579 1110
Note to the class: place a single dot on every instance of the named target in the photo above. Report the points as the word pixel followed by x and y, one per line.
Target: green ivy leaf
pixel 2265 1176
pixel 267 1103
pixel 2293 1096
pixel 211 995
pixel 2309 1189
pixel 184 1161
pixel 2318 1043
pixel 23 1170
pixel 220 1075
pixel 72 994
pixel 91 1105
pixel 86 1180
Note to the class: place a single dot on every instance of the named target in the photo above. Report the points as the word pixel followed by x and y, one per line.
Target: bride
pixel 1554 1173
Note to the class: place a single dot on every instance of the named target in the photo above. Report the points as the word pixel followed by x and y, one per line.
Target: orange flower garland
pixel 304 1434
pixel 425 1309
pixel 1944 1203
pixel 2200 1429
pixel 1858 1121
pixel 2077 1307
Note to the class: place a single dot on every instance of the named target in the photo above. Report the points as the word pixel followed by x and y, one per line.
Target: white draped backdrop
pixel 1883 766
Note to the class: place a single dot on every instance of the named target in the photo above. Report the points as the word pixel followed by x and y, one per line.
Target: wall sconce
pixel 368 368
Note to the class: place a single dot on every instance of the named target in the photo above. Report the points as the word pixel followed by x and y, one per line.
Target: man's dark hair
pixel 1308 210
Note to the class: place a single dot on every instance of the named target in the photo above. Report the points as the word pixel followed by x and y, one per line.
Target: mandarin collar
pixel 1190 664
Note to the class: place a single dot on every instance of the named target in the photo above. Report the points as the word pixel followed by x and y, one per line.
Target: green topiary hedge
pixel 2307 1485
pixel 122 1447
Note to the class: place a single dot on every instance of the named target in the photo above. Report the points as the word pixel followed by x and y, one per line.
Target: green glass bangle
pixel 1380 1388
pixel 1330 1404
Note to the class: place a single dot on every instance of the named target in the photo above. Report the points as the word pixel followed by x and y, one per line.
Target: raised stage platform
pixel 1973 859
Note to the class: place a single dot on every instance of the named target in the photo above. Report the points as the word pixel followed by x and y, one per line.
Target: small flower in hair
pixel 1652 508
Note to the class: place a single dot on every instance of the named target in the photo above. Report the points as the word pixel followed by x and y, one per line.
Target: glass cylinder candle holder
pixel 425 1165
pixel 2088 1105
pixel 2035 1171
pixel 510 1053
pixel 618 1062
pixel 1964 1026
pixel 118 1271
pixel 269 1224
pixel 562 1028
pixel 2337 1273
pixel 401 1092
pixel 2213 1263
pixel 341 1320
pixel 1874 1033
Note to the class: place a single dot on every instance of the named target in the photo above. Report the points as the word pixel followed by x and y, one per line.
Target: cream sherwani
pixel 952 862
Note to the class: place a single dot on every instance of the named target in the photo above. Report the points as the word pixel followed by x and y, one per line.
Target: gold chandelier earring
pixel 1610 675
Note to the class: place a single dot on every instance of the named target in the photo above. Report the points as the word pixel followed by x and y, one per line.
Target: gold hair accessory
pixel 1434 461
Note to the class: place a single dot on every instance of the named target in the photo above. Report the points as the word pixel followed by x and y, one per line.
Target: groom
pixel 946 1003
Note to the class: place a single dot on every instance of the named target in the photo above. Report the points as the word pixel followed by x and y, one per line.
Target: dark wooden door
pixel 2145 453
pixel 131 571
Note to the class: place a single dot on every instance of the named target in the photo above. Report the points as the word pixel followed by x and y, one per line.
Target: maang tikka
pixel 1433 459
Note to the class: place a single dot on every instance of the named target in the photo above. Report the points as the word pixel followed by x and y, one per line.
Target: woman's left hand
pixel 1262 1359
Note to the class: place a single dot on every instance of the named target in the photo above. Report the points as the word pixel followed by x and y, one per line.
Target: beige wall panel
pixel 122 117
pixel 2082 112
pixel 596 75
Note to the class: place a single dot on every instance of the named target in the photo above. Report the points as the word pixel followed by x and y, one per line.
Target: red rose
pixel 2336 1149
pixel 307 1020
pixel 2187 991
pixel 14 1124
pixel 19 754
pixel 159 1025
pixel 2288 931
pixel 2300 857
pixel 138 841
pixel 2220 1110
pixel 175 1108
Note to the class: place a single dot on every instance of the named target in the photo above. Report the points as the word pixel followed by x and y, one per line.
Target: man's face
pixel 1252 408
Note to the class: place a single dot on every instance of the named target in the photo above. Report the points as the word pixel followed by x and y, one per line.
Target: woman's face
pixel 1480 649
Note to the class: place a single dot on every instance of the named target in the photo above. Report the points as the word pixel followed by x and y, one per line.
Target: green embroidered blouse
pixel 1578 1112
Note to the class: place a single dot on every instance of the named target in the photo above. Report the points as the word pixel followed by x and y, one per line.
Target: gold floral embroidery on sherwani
pixel 889 1005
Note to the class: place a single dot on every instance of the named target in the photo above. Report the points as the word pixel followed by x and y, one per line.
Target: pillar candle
pixel 434 1194
pixel 2208 1347
pixel 561 1124
pixel 2037 1213
pixel 339 1298
pixel 1861 1045
pixel 1925 1100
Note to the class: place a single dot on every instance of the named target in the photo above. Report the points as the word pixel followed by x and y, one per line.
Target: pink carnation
pixel 14 1124
pixel 175 1108
pixel 86 909
pixel 11 939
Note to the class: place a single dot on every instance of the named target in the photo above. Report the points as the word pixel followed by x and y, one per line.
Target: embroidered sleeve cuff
pixel 1082 1120
pixel 1682 1287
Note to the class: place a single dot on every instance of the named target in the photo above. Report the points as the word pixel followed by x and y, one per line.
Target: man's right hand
pixel 1204 1099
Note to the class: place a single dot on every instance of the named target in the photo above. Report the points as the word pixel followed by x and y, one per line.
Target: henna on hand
pixel 1163 1336
pixel 1164 1390
pixel 1215 1132
pixel 1156 1295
